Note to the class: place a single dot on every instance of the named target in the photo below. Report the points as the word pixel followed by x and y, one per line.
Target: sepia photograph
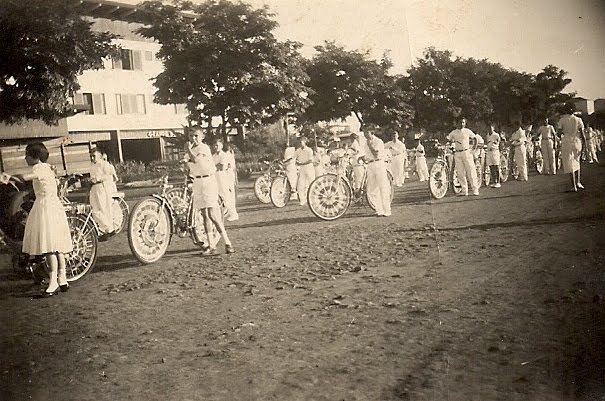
pixel 302 200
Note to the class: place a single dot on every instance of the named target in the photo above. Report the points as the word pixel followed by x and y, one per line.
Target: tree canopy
pixel 445 87
pixel 45 46
pixel 345 82
pixel 222 60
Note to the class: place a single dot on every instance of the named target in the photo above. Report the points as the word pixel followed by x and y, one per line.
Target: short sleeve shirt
pixel 379 152
pixel 571 126
pixel 546 132
pixel 493 141
pixel 200 160
pixel 304 155
pixel 460 138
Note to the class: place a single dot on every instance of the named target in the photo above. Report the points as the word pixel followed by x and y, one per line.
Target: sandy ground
pixel 496 297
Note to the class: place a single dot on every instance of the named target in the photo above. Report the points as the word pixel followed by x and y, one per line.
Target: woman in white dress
pixel 572 128
pixel 100 196
pixel 46 230
pixel 421 167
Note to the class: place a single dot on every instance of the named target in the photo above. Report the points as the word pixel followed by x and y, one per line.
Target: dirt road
pixel 496 297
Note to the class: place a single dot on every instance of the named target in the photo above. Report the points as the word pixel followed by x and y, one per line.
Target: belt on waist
pixel 201 176
pixel 461 150
pixel 375 160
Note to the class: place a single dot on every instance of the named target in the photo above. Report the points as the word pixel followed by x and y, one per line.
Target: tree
pixel 222 60
pixel 45 46
pixel 346 82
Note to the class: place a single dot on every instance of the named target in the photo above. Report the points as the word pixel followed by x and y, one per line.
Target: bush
pixel 130 171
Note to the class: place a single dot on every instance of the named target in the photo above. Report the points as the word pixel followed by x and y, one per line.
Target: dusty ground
pixel 499 297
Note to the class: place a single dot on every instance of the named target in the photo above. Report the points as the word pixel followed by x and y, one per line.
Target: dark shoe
pixel 64 287
pixel 229 248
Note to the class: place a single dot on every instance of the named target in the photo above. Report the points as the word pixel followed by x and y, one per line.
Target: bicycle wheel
pixel 456 185
pixel 512 167
pixel 262 188
pixel 85 240
pixel 280 191
pixel 438 181
pixel 329 196
pixel 149 230
pixel 487 177
pixel 539 161
pixel 119 209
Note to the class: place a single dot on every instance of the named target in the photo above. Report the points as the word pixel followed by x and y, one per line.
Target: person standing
pixel 205 188
pixel 224 178
pixel 378 185
pixel 547 138
pixel 518 141
pixel 465 166
pixel 492 156
pixel 572 129
pixel 319 161
pixel 398 154
pixel 357 150
pixel 306 172
pixel 100 198
pixel 291 169
pixel 46 230
pixel 591 146
pixel 421 168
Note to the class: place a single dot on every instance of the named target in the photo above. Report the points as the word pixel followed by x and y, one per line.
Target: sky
pixel 525 35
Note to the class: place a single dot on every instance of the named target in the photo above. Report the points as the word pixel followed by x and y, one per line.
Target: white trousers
pixel 421 168
pixel 226 189
pixel 465 168
pixel 548 156
pixel 306 175
pixel 292 175
pixel 520 158
pixel 379 188
pixel 397 169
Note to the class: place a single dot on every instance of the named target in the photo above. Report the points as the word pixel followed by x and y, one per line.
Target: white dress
pixel 46 229
pixel 100 196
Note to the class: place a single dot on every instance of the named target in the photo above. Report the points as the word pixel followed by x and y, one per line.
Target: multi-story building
pixel 585 106
pixel 121 111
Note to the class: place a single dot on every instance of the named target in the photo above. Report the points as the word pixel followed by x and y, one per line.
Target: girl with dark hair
pixel 46 230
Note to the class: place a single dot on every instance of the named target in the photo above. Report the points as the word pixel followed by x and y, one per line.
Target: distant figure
pixel 112 185
pixel 378 185
pixel 306 172
pixel 421 167
pixel 291 169
pixel 224 178
pixel 319 161
pixel 357 150
pixel 591 145
pixel 100 199
pixel 572 129
pixel 492 156
pixel 547 137
pixel 398 155
pixel 518 141
pixel 465 166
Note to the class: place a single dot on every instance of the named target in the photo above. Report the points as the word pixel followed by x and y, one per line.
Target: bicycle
pixel 280 191
pixel 262 185
pixel 331 194
pixel 155 219
pixel 443 173
pixel 534 155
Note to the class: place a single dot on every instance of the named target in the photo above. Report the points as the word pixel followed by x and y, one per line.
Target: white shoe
pixel 580 185
pixel 497 185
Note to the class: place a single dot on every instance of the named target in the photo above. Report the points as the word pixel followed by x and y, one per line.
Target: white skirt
pixel 46 229
pixel 492 157
pixel 570 155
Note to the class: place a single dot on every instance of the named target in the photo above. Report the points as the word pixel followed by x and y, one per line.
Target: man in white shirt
pixel 398 154
pixel 519 140
pixel 378 185
pixel 306 170
pixel 205 187
pixel 572 128
pixel 291 169
pixel 463 157
pixel 547 137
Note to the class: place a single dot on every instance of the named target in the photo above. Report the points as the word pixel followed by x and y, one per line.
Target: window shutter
pixel 98 103
pixel 148 55
pixel 120 110
pixel 140 99
pixel 137 60
pixel 78 98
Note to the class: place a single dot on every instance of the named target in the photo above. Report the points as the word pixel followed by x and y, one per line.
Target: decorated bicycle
pixel 330 195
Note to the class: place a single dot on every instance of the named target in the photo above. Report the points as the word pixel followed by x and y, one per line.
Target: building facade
pixel 585 106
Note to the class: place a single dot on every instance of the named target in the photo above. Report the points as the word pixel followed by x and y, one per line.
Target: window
pixel 148 55
pixel 94 101
pixel 131 104
pixel 128 60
